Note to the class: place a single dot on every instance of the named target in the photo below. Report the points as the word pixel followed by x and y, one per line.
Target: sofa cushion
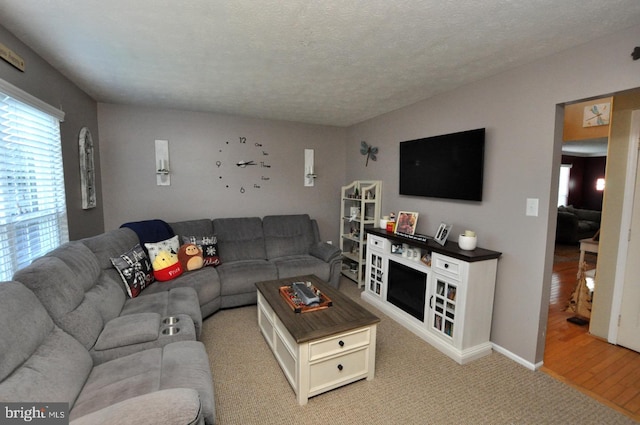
pixel 38 361
pixel 173 406
pixel 134 267
pixel 202 226
pixel 205 281
pixel 82 262
pixel 108 245
pixel 239 277
pixel 139 332
pixel 104 294
pixel 24 337
pixel 287 235
pixel 588 215
pixel 62 293
pixel 181 364
pixel 177 300
pixel 298 265
pixel 240 238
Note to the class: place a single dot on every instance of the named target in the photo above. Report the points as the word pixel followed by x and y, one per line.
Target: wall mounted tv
pixel 447 166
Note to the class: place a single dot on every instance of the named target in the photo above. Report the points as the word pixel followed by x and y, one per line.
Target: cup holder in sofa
pixel 171 330
pixel 171 320
pixel 177 327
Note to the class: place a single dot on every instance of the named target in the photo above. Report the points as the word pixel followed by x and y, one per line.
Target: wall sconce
pixel 309 174
pixel 163 177
pixel 600 184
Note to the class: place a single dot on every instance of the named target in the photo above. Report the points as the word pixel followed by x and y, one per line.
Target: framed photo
pixel 442 233
pixel 406 222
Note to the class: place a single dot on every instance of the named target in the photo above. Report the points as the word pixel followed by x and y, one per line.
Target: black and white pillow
pixel 209 247
pixel 135 270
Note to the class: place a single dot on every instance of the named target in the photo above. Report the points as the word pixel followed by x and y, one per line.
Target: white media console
pixel 441 293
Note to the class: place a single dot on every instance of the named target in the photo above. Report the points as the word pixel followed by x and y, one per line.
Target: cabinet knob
pixel 446 265
pixel 341 343
pixel 340 367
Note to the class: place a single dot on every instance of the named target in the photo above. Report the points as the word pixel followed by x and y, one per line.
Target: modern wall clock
pixel 245 167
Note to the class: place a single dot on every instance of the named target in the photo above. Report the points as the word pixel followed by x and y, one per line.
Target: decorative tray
pixel 298 306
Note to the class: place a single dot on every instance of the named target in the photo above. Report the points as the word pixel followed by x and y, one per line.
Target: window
pixel 563 189
pixel 33 214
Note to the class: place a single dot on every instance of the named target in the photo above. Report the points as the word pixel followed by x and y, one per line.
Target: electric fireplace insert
pixel 406 289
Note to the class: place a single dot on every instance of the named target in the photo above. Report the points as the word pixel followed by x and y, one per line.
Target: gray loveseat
pixel 72 334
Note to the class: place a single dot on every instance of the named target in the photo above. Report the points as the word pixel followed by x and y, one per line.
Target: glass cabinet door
pixel 376 274
pixel 443 305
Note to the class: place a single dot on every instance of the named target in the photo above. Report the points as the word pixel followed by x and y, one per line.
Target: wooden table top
pixel 344 315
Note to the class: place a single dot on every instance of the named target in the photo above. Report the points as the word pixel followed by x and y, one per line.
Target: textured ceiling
pixel 326 62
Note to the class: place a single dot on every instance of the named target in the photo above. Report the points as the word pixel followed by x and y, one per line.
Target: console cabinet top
pixel 450 248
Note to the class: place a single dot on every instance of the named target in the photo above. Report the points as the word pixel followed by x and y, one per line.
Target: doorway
pixel 574 354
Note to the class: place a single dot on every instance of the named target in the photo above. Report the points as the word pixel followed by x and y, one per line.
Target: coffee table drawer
pixel 338 371
pixel 338 344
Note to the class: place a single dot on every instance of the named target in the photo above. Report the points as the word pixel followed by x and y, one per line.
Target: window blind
pixel 33 214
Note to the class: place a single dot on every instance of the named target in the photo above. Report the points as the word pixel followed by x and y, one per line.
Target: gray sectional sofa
pixel 71 333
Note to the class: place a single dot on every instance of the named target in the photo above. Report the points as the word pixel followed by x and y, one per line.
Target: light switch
pixel 532 207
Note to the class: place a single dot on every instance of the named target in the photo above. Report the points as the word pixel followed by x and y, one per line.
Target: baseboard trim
pixel 516 358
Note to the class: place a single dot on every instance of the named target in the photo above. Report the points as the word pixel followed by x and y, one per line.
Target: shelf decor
pixel 298 306
pixel 443 233
pixel 406 222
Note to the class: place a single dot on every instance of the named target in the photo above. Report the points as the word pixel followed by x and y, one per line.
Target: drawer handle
pixel 341 343
pixel 340 367
pixel 446 265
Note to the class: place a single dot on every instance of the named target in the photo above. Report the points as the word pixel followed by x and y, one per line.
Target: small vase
pixel 467 243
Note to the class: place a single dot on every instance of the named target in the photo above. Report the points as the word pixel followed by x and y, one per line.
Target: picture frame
pixel 443 233
pixel 406 223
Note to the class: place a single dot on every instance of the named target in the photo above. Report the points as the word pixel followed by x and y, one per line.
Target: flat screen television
pixel 448 166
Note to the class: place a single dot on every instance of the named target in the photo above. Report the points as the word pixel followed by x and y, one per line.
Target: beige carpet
pixel 414 384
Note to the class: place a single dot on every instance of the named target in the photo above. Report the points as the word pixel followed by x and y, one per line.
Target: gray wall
pixel 196 142
pixel 44 82
pixel 519 110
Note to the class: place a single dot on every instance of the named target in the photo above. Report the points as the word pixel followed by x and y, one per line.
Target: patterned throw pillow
pixel 135 270
pixel 209 247
pixel 164 258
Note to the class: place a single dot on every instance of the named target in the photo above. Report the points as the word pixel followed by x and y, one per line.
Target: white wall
pixel 518 109
pixel 196 142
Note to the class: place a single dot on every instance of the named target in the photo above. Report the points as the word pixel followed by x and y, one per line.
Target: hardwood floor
pixel 604 371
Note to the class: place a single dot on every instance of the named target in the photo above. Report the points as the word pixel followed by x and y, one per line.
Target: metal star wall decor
pixel 370 151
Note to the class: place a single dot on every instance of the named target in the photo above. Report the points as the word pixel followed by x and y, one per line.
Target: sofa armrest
pixel 128 330
pixel 172 406
pixel 324 251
